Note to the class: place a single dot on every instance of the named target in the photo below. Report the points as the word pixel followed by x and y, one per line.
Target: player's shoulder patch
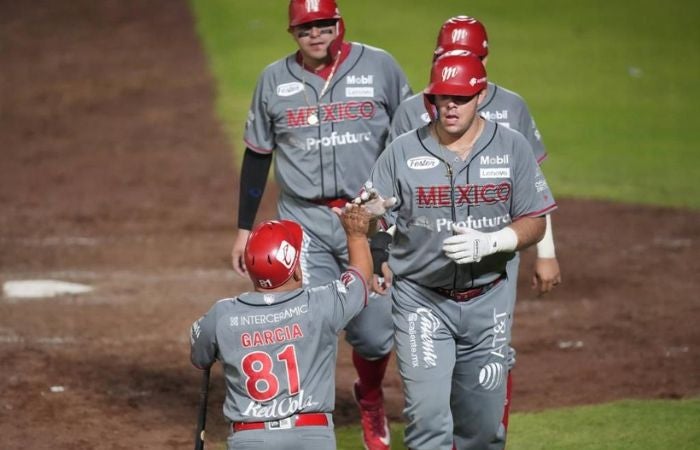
pixel 348 278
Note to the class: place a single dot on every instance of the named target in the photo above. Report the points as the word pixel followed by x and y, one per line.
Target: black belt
pixel 467 294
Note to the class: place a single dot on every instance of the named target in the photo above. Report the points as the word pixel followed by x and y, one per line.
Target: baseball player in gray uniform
pixel 463 33
pixel 324 114
pixel 278 345
pixel 469 194
pixel 500 105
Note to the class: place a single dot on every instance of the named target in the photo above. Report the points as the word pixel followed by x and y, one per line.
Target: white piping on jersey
pixel 303 259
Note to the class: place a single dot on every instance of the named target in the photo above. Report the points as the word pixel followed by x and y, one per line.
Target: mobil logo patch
pixel 494 159
pixel 422 163
pixel 359 79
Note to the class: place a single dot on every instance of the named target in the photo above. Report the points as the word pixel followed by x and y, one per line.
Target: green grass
pixel 629 425
pixel 612 84
pixel 626 425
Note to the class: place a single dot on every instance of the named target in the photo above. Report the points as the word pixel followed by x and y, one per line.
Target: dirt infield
pixel 116 173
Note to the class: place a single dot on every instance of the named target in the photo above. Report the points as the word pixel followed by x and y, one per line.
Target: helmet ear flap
pixel 337 43
pixel 429 102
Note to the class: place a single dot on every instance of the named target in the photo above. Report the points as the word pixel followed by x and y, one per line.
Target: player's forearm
pixel 528 230
pixel 254 172
pixel 545 247
pixel 359 256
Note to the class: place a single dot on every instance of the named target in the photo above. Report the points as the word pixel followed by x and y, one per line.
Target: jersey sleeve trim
pixel 543 158
pixel 364 281
pixel 541 212
pixel 256 149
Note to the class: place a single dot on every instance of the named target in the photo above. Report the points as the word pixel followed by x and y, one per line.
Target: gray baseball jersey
pixel 500 105
pixel 453 354
pixel 434 195
pixel 278 350
pixel 324 148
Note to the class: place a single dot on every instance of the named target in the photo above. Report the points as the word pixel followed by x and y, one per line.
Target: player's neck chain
pixel 460 153
pixel 312 119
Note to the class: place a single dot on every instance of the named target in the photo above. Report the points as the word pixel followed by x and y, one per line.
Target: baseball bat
pixel 202 413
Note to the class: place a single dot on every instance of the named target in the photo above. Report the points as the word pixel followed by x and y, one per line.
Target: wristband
pixel 545 248
pixel 504 240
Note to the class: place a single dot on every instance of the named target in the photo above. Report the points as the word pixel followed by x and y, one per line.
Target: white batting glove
pixel 371 199
pixel 469 245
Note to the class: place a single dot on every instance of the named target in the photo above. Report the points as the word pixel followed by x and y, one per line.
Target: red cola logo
pixel 466 194
pixel 331 112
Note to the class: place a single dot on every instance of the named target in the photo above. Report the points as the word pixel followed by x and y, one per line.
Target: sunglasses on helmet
pixel 324 26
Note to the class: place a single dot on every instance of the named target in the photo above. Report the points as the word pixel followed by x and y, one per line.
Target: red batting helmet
pixel 272 252
pixel 462 33
pixel 456 74
pixel 303 11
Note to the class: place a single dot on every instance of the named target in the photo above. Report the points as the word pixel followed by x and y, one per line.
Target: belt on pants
pixel 467 294
pixel 297 420
pixel 331 202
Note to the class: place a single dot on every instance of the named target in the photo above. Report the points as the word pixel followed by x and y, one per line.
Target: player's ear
pixel 297 275
pixel 481 96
